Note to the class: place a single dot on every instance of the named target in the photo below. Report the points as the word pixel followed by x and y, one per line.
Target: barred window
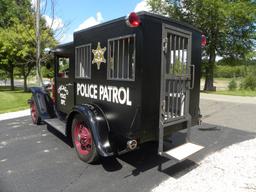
pixel 121 58
pixel 83 61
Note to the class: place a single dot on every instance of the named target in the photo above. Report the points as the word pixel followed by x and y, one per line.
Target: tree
pixel 7 53
pixel 11 11
pixel 227 33
pixel 18 42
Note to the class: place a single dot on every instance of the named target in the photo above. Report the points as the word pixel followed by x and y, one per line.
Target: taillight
pixel 133 20
pixel 203 41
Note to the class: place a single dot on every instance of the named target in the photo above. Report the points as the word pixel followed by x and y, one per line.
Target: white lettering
pixel 90 90
pixel 101 91
pixel 128 102
pixel 122 91
pixel 106 93
pixel 110 93
pixel 95 91
pixel 78 89
pixel 86 91
pixel 115 92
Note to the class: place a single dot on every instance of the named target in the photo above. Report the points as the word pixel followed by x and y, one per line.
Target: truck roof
pixel 142 13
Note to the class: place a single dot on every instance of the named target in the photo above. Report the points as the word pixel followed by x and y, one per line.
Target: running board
pixel 57 124
pixel 182 152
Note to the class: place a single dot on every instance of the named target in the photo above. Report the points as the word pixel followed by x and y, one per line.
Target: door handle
pixel 192 84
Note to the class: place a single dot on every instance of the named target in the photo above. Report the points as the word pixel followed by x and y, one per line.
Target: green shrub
pixel 232 85
pixel 229 71
pixel 249 82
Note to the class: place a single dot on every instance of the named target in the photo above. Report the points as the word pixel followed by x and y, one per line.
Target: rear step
pixel 56 124
pixel 182 152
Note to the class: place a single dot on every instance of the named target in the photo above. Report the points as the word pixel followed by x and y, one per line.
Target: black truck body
pixel 132 84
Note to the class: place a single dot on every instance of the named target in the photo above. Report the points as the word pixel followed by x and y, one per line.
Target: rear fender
pixel 95 117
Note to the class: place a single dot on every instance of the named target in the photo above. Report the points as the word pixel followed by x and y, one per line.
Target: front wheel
pixel 83 140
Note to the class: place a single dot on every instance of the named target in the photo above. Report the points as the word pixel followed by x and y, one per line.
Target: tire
pixel 82 139
pixel 34 113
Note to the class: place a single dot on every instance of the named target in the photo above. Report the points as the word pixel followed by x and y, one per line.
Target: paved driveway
pixel 38 159
pixel 230 111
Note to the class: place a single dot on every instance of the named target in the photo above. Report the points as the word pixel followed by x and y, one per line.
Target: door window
pixel 63 67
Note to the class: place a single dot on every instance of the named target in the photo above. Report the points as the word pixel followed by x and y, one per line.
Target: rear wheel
pixel 34 112
pixel 83 140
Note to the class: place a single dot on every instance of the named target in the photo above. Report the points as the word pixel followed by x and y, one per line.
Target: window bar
pixel 114 68
pixel 84 61
pixel 178 62
pixel 109 59
pixel 181 98
pixel 118 54
pixel 174 54
pixel 128 58
pixel 182 55
pixel 87 70
pixel 173 83
pixel 180 94
pixel 84 64
pixel 89 61
pixel 83 58
pixel 186 59
pixel 177 97
pixel 168 97
pixel 123 59
pixel 80 62
pixel 170 57
pixel 133 58
pixel 76 62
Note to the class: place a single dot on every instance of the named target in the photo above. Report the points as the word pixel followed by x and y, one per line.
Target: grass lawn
pixel 13 100
pixel 248 93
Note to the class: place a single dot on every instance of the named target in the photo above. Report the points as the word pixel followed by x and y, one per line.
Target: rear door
pixel 177 75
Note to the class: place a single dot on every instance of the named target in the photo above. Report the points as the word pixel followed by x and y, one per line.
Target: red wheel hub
pixel 33 111
pixel 83 139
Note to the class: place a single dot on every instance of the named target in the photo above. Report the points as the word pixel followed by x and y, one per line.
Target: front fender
pixel 95 117
pixel 43 102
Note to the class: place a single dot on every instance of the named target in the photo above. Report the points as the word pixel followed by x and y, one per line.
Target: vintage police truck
pixel 123 83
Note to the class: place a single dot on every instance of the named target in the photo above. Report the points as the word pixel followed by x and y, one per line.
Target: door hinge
pixel 165 44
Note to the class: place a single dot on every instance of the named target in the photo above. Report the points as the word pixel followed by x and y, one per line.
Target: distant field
pixel 222 88
pixel 13 100
pixel 220 83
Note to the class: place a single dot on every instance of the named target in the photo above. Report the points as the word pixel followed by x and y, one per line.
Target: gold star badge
pixel 98 55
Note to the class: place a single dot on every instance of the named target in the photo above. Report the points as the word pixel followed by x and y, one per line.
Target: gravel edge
pixel 230 169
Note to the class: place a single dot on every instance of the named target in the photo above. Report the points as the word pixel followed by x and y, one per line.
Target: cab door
pixel 64 85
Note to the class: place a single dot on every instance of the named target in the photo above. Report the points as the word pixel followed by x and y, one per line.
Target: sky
pixel 70 16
